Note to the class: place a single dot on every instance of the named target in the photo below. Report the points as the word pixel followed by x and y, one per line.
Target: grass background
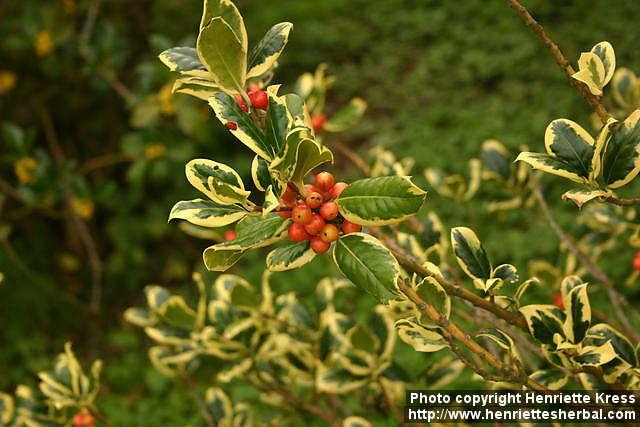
pixel 439 77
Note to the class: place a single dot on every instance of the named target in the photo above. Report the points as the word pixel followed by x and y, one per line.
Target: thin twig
pixel 617 299
pixel 621 202
pixel 354 157
pixel 104 161
pixel 561 60
pixel 510 373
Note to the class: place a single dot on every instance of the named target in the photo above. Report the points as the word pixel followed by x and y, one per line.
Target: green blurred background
pixel 88 101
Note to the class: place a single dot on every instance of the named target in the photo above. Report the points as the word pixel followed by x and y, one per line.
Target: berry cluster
pixel 315 214
pixel 258 98
pixel 635 264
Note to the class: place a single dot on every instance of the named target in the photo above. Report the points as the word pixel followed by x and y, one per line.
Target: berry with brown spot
pixel 316 225
pixel 314 200
pixel 319 246
pixel 301 214
pixel 329 211
pixel 324 181
pixel 330 233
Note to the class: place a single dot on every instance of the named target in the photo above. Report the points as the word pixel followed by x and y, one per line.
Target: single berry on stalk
pixel 318 121
pixel 350 227
pixel 329 211
pixel 301 214
pixel 324 181
pixel 259 99
pixel 297 233
pixel 232 125
pixel 337 189
pixel 84 419
pixel 330 233
pixel 230 235
pixel 315 225
pixel 318 245
pixel 314 200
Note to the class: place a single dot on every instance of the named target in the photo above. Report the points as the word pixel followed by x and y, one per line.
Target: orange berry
pixel 330 233
pixel 635 264
pixel 557 300
pixel 319 246
pixel 350 227
pixel 314 200
pixel 301 214
pixel 240 101
pixel 297 233
pixel 318 121
pixel 84 419
pixel 315 225
pixel 230 235
pixel 324 181
pixel 337 189
pixel 284 213
pixel 259 99
pixel 232 125
pixel 329 211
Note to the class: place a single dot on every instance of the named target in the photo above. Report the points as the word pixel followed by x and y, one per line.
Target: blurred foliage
pixel 90 133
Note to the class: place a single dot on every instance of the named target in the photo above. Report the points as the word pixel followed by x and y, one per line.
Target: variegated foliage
pixel 286 150
pixel 63 392
pixel 571 340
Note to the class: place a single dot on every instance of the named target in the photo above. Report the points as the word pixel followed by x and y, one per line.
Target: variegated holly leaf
pixel 195 87
pixel 470 253
pixel 7 408
pixel 223 54
pixel 228 111
pixel 604 51
pixel 175 312
pixel 582 196
pixel 279 122
pixel 578 310
pixel 496 160
pixel 207 213
pixel 337 380
pixel 570 150
pixel 302 154
pixel 419 337
pixel 347 116
pixel 289 257
pixel 219 182
pixel 625 88
pixel 553 379
pixel 218 406
pixel 368 264
pixel 265 54
pixel 595 355
pixel 182 59
pixel 591 72
pixel 168 361
pixel 226 10
pixel 141 317
pixel 380 201
pixel 602 332
pixel 432 292
pixel 618 152
pixel 257 233
pixel 522 288
pixel 501 339
pixel 544 323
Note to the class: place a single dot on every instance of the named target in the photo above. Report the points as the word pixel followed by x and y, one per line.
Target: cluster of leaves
pixel 65 395
pixel 276 343
pixel 602 164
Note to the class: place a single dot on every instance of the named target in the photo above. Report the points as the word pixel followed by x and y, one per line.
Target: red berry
pixel 329 211
pixel 319 246
pixel 557 300
pixel 324 181
pixel 230 235
pixel 635 264
pixel 314 200
pixel 330 233
pixel 232 125
pixel 301 214
pixel 259 99
pixel 337 189
pixel 318 121
pixel 240 101
pixel 350 227
pixel 289 194
pixel 84 419
pixel 285 214
pixel 315 225
pixel 297 233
